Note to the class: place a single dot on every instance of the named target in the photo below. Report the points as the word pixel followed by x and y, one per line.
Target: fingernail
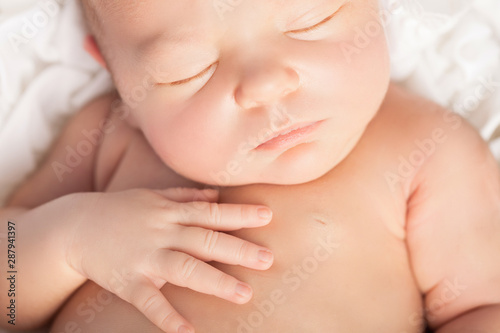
pixel 265 256
pixel 184 329
pixel 264 213
pixel 243 290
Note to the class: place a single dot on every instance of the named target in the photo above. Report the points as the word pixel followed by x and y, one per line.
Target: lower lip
pixel 290 139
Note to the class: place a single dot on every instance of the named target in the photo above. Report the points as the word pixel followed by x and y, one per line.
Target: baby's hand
pixel 133 242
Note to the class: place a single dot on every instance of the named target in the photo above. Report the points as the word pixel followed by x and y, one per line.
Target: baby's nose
pixel 265 84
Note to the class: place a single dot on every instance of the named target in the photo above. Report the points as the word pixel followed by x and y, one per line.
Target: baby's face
pixel 210 82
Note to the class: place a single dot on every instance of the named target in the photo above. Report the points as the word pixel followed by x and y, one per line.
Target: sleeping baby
pixel 256 171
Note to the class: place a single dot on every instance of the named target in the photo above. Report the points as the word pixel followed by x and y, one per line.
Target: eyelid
pixel 317 25
pixel 313 27
pixel 189 79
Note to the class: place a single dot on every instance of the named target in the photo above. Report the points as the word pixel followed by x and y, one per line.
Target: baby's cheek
pixel 364 59
pixel 193 155
pixel 361 35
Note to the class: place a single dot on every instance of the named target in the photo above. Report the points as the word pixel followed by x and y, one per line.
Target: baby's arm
pixel 453 230
pixel 129 242
pixel 39 208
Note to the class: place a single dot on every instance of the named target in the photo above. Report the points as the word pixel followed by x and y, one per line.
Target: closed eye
pixel 317 25
pixel 314 27
pixel 204 72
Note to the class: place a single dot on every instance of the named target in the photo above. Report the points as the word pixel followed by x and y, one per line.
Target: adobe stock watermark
pixel 32 26
pixel 88 309
pixel 485 88
pixel 224 6
pixel 292 279
pixel 409 165
pixel 75 156
pixel 138 93
pixel 245 154
pixel 425 148
pixel 450 292
pixel 93 138
pixel 372 29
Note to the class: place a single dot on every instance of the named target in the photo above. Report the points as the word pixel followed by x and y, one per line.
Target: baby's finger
pixel 209 245
pixel 186 194
pixel 149 300
pixel 223 217
pixel 183 270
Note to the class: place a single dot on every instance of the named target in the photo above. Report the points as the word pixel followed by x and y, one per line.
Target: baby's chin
pixel 298 166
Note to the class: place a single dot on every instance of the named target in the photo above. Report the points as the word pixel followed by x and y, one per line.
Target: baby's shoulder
pixel 422 140
pixel 407 119
pixel 69 166
pixel 113 134
pixel 411 122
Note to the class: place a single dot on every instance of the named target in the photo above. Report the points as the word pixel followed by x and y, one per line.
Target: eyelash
pixel 320 24
pixel 192 78
pixel 313 27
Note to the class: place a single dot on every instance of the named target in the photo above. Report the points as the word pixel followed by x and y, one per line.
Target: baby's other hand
pixel 133 242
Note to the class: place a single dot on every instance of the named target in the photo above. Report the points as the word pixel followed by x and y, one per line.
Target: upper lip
pixel 288 130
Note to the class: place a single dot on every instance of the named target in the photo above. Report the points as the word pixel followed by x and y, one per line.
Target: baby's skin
pixel 385 207
pixel 406 223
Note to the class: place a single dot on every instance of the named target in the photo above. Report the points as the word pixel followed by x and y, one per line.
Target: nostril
pixel 245 101
pixel 293 80
pixel 265 85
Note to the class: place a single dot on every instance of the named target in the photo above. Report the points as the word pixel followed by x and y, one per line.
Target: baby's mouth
pixel 290 136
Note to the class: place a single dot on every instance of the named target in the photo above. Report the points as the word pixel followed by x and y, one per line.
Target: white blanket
pixel 45 76
pixel 447 50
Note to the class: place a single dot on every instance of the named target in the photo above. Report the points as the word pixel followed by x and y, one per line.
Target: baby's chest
pixel 336 263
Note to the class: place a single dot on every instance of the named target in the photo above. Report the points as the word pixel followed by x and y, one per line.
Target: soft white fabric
pixel 45 76
pixel 449 51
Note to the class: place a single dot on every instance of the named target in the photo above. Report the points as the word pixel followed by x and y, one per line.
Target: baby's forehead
pixel 104 7
pixel 141 20
pixel 138 8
